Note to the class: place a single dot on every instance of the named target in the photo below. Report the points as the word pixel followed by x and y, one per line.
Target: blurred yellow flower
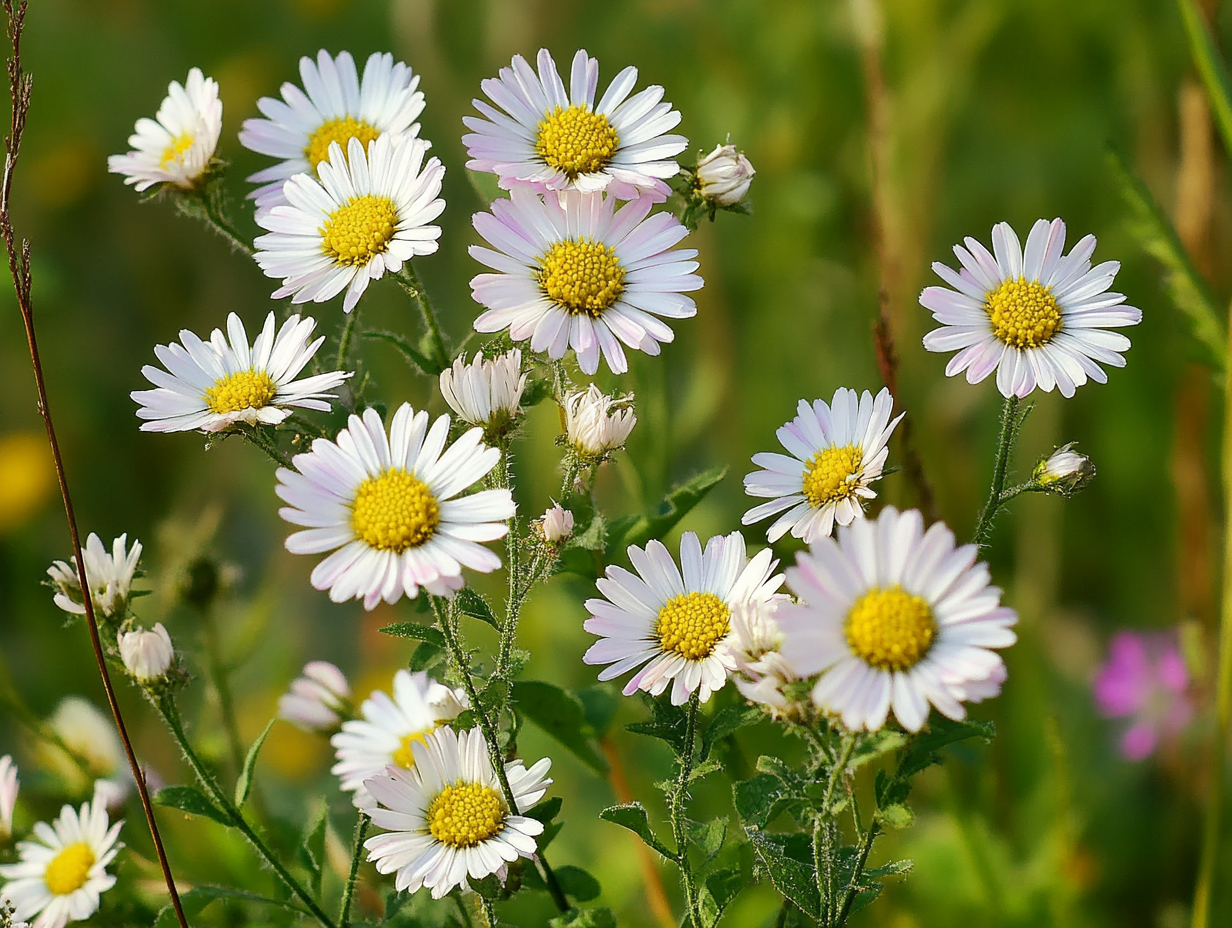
pixel 27 477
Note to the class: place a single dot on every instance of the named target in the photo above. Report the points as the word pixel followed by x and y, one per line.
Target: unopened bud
pixel 556 524
pixel 598 424
pixel 724 175
pixel 8 796
pixel 147 655
pixel 316 697
pixel 1064 472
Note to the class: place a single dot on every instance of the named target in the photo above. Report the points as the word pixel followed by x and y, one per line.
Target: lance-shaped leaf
pixel 472 604
pixel 562 715
pixel 657 522
pixel 243 786
pixel 191 800
pixel 1210 65
pixel 632 815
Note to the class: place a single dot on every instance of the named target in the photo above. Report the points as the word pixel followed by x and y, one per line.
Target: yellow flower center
pixel 394 511
pixel 70 869
pixel 581 277
pixel 576 140
pixel 241 390
pixel 691 624
pixel 340 131
pixel 466 814
pixel 179 145
pixel 829 473
pixel 890 629
pixel 359 230
pixel 404 757
pixel 1025 315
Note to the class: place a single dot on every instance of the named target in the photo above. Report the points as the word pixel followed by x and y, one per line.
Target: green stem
pixel 171 716
pixel 853 887
pixel 677 809
pixel 357 852
pixel 445 621
pixel 828 832
pixel 489 912
pixel 1212 826
pixel 1005 444
pixel 257 435
pixel 429 313
pixel 214 213
pixel 344 341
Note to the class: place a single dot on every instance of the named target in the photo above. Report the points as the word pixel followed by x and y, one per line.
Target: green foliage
pixel 788 861
pixel 726 722
pixel 668 723
pixel 191 800
pixel 632 815
pixel 1211 67
pixel 196 899
pixel 243 785
pixel 562 715
pixel 473 604
pixel 312 848
pixel 419 358
pixel 577 883
pixel 584 918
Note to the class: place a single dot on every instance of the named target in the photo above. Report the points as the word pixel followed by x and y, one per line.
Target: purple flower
pixel 1144 680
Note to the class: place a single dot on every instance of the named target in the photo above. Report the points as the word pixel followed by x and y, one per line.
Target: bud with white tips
pixel 147 655
pixel 485 393
pixel 8 796
pixel 1065 472
pixel 597 424
pixel 109 577
pixel 556 524
pixel 753 648
pixel 316 698
pixel 724 176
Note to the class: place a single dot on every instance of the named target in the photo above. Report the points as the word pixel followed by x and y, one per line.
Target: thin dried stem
pixel 19 268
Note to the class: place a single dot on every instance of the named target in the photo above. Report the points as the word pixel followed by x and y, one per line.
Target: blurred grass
pixel 999 109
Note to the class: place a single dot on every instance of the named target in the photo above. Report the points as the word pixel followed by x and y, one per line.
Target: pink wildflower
pixel 1144 680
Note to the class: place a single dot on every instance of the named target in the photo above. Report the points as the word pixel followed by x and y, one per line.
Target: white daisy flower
pixel 574 272
pixel 1037 318
pixel 558 140
pixel 147 655
pixel 9 786
pixel 91 736
pixel 447 817
pixel 386 503
pixel 390 727
pixel 334 106
pixel 677 626
pixel 175 147
pixel 894 617
pixel 109 577
pixel 834 453
pixel 211 386
pixel 60 876
pixel 316 697
pixel 368 214
pixel 485 392
pixel 597 424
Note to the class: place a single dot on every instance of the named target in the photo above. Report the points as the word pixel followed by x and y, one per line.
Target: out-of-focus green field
pixel 998 109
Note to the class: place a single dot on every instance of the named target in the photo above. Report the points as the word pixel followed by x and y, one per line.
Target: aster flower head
pixel 724 175
pixel 389 726
pixel 1145 681
pixel 597 424
pixel 9 786
pixel 485 392
pixel 1039 319
pixel 334 106
pixel 552 139
pixel 316 697
pixel 369 212
pixel 147 655
pixel 834 452
pixel 108 576
pixel 177 146
pixel 447 818
pixel 674 622
pixel 388 507
pixel 59 876
pixel 212 386
pixel 754 649
pixel 575 272
pixel 893 617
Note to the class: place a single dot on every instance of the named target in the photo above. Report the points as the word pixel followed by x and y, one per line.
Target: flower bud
pixel 1065 472
pixel 316 697
pixel 597 424
pixel 485 393
pixel 147 655
pixel 724 175
pixel 108 576
pixel 8 796
pixel 556 524
pixel 754 650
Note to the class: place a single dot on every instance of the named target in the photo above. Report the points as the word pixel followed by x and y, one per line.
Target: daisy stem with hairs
pixel 344 340
pixel 825 831
pixel 171 716
pixel 357 855
pixel 414 286
pixel 1011 421
pixel 257 435
pixel 677 802
pixel 446 621
pixel 209 205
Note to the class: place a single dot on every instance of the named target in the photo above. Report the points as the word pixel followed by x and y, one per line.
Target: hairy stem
pixel 214 213
pixel 257 435
pixel 677 803
pixel 828 832
pixel 171 716
pixel 439 349
pixel 853 887
pixel 357 853
pixel 1010 420
pixel 344 340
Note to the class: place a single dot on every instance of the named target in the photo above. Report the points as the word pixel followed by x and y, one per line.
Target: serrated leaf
pixel 632 815
pixel 724 886
pixel 427 656
pixel 577 883
pixel 472 604
pixel 874 745
pixel 726 722
pixel 787 860
pixel 668 723
pixel 699 771
pixel 894 868
pixel 191 800
pixel 243 785
pixel 657 522
pixel 560 714
pixel 600 917
pixel 707 836
pixel 760 800
pixel 416 630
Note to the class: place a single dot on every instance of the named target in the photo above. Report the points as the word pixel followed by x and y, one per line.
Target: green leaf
pixel 312 847
pixel 490 887
pixel 545 811
pixel 896 815
pixel 707 836
pixel 577 883
pixel 923 750
pixel 1186 287
pixel 560 714
pixel 894 868
pixel 727 721
pixel 632 815
pixel 585 918
pixel 874 745
pixel 472 604
pixel 723 886
pixel 760 800
pixel 600 703
pixel 485 185
pixel 416 630
pixel 1211 66
pixel 244 784
pixel 669 723
pixel 417 359
pixel 788 861
pixel 537 390
pixel 657 522
pixel 196 899
pixel 191 800
pixel 593 537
